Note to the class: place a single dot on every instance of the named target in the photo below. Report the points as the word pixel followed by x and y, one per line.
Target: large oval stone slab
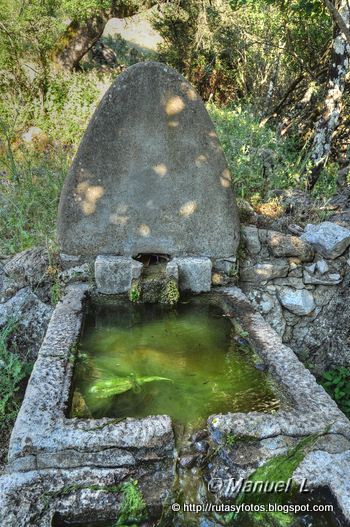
pixel 149 175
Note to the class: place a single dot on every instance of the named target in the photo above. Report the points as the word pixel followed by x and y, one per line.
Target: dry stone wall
pixel 300 285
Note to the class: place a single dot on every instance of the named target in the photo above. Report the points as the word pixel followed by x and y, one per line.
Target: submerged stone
pixel 150 175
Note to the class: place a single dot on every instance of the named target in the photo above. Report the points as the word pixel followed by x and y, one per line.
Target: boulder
pixel 150 175
pixel 28 267
pixel 30 317
pixel 262 272
pixel 284 245
pixel 328 239
pixel 298 301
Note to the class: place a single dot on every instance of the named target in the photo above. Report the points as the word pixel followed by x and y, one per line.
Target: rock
pixel 201 446
pixel 114 274
pixel 194 274
pixel 295 229
pixel 322 266
pixel 262 272
pixel 172 270
pixel 322 469
pixel 35 136
pixel 103 55
pixel 250 235
pixel 328 239
pixel 28 267
pixel 298 301
pixel 311 268
pixel 284 245
pixel 226 265
pixel 333 279
pixel 149 175
pixel 294 200
pixel 289 281
pixel 199 436
pixel 80 273
pixel 30 316
pixel 188 461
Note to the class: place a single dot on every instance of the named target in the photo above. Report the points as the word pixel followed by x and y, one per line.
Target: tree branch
pixel 338 19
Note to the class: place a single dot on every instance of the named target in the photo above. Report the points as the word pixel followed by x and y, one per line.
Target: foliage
pixel 135 292
pixel 337 384
pixel 239 48
pixel 13 371
pixel 133 507
pixel 259 159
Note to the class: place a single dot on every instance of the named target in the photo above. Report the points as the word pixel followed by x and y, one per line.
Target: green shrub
pixel 337 384
pixel 13 371
pixel 259 159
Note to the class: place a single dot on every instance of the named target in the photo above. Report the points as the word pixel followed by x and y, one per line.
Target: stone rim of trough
pixel 41 426
pixel 43 438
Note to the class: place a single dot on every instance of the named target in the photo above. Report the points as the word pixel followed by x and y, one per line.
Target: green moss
pixel 279 468
pixel 133 507
pixel 135 293
pixel 170 294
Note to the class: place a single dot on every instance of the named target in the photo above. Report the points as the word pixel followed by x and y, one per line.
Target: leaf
pixel 118 385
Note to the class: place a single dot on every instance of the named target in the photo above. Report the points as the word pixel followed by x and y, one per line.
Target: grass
pixel 29 195
pixel 13 372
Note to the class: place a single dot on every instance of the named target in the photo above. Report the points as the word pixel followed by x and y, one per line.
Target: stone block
pixel 265 271
pixel 328 239
pixel 114 274
pixel 226 265
pixel 299 301
pixel 172 270
pixel 283 245
pixel 194 274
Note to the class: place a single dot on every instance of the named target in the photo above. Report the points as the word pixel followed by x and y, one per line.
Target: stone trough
pixel 150 179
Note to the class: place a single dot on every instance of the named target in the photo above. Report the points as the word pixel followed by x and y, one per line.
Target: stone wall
pixel 300 285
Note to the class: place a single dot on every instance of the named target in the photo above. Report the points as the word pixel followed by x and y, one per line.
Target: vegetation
pixel 337 384
pixel 133 507
pixel 171 294
pixel 262 66
pixel 279 468
pixel 13 372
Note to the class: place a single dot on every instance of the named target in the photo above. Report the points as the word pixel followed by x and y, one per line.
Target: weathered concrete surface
pixel 149 175
pixel 114 274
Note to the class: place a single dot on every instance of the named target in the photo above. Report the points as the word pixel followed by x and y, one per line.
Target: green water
pixel 140 360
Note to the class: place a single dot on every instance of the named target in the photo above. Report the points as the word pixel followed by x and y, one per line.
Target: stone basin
pixel 50 451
